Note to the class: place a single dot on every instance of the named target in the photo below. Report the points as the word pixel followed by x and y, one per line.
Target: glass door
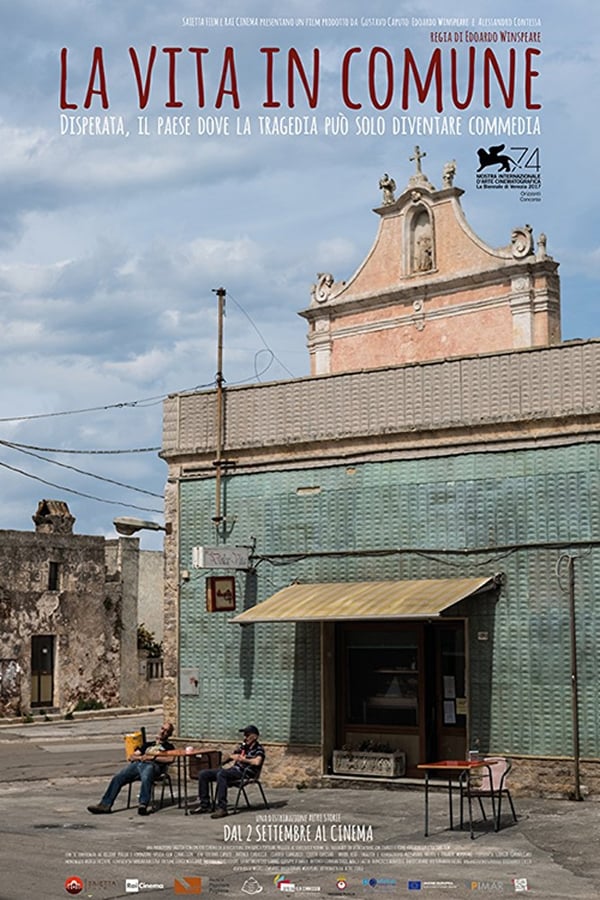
pixel 451 690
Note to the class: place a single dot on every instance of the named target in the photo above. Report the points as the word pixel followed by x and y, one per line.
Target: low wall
pixel 284 767
pixel 301 767
pixel 554 778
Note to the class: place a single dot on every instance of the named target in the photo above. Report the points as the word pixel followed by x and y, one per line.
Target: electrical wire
pixel 147 401
pixel 80 452
pixel 55 462
pixel 79 493
pixel 75 412
pixel 274 356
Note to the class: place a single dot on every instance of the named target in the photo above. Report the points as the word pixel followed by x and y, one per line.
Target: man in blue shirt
pixel 248 756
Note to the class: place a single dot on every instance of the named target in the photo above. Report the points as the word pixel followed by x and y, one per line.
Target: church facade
pixel 430 287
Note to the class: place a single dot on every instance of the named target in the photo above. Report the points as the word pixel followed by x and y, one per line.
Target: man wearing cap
pixel 249 754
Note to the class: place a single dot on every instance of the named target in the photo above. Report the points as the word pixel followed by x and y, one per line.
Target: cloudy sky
pixel 111 245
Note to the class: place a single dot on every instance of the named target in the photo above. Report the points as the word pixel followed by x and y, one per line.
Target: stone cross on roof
pixel 418 179
pixel 417 159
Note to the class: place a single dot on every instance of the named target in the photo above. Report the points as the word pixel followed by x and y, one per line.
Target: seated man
pixel 142 767
pixel 249 754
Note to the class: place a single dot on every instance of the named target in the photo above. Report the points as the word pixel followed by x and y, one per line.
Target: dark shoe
pixel 219 813
pixel 197 810
pixel 143 811
pixel 99 808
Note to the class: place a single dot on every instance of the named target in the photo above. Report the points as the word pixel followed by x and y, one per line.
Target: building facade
pixel 422 544
pixel 69 617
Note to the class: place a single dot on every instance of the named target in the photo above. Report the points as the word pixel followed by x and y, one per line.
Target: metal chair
pixel 208 759
pixel 493 785
pixel 164 780
pixel 250 777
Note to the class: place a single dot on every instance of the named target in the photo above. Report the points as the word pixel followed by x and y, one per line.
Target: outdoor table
pixel 181 756
pixel 450 767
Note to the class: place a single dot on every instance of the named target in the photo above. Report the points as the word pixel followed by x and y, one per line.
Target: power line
pixel 55 462
pixel 147 401
pixel 61 487
pixel 80 452
pixel 75 412
pixel 274 356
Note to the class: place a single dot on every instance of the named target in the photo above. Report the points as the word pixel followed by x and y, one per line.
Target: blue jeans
pixel 146 772
pixel 223 777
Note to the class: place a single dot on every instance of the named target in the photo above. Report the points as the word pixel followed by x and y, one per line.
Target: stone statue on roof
pixel 388 186
pixel 448 173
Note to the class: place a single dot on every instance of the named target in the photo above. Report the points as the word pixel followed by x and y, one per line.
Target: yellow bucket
pixel 132 742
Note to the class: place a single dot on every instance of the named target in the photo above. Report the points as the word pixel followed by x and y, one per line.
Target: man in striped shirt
pixel 248 756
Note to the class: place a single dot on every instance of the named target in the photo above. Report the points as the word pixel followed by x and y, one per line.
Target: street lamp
pixel 128 525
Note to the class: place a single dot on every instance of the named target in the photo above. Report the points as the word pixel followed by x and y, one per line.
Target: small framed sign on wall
pixel 220 593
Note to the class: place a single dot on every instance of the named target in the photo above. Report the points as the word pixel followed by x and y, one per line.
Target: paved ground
pixel 316 840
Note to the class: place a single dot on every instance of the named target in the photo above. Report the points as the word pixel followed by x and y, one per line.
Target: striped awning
pixel 345 601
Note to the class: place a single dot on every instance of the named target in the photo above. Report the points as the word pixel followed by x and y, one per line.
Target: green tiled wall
pixel 520 686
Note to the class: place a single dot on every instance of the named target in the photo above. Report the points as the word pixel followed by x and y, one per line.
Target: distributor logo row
pixel 184 886
pixel 192 885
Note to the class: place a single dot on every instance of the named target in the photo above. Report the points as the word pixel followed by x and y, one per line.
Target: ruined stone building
pixel 70 606
pixel 419 517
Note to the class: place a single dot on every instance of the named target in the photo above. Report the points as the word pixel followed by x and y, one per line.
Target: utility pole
pixel 219 380
pixel 574 683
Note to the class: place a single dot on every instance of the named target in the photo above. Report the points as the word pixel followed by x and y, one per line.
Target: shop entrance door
pixel 445 691
pixel 402 686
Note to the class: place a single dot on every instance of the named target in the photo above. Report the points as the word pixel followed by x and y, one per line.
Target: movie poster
pixel 155 152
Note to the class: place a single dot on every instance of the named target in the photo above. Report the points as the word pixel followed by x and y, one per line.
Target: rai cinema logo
pixel 188 886
pixel 73 885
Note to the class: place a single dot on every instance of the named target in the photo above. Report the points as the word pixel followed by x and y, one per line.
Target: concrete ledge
pixel 368 783
pixel 40 717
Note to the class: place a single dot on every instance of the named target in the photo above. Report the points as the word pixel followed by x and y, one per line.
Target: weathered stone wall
pixel 554 778
pixel 150 592
pixel 82 616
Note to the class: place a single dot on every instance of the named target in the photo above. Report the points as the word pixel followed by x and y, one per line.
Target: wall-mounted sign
pixel 189 681
pixel 220 593
pixel 220 557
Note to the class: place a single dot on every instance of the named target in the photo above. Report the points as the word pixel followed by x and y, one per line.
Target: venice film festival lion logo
pixel 495 157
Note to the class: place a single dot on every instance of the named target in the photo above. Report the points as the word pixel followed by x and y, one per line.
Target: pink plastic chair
pixel 493 785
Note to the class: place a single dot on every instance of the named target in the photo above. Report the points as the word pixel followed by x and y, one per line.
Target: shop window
pixel 382 678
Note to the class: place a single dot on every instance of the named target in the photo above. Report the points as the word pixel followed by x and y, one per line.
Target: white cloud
pixel 110 247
